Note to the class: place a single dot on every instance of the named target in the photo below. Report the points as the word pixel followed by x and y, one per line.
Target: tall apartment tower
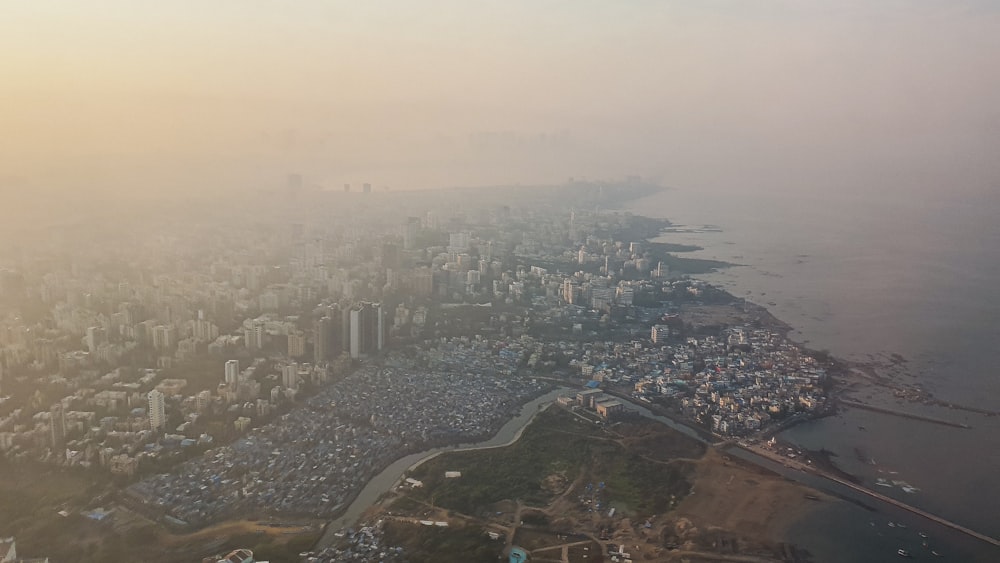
pixel 323 338
pixel 95 337
pixel 328 335
pixel 290 376
pixel 157 410
pixel 57 425
pixel 367 329
pixel 411 232
pixel 232 372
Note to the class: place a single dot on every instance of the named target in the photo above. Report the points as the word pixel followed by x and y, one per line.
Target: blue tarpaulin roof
pixel 593 384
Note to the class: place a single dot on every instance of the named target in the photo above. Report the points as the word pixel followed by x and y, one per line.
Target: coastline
pixel 914 384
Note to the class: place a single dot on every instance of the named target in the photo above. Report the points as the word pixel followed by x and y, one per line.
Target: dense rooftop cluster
pixel 315 458
pixel 367 544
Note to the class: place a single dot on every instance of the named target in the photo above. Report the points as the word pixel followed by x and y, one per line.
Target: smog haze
pixel 177 97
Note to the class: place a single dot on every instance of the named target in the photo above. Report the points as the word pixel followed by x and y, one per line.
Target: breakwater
pixel 912 416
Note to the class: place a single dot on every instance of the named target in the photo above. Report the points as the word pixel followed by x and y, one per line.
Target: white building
pixel 157 410
pixel 232 372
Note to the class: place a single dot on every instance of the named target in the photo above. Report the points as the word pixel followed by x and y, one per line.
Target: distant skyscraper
pixel 662 271
pixel 366 188
pixel 322 339
pixel 328 335
pixel 458 242
pixel 57 425
pixel 164 337
pixel 411 232
pixel 390 256
pixel 347 187
pixel 95 337
pixel 157 410
pixel 202 400
pixel 296 345
pixel 367 330
pixel 290 376
pixel 232 372
pixel 253 336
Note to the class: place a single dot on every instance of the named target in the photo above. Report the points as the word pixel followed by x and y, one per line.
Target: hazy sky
pixel 789 94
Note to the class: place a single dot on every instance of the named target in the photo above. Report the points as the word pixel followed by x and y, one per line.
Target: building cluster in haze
pixel 290 347
pixel 311 460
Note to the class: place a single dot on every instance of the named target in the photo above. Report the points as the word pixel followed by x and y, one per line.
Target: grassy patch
pixel 559 444
pixel 468 544
pixel 658 442
pixel 644 487
pixel 554 443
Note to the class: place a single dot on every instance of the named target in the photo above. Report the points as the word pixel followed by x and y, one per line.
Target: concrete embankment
pixel 884 410
pixel 792 467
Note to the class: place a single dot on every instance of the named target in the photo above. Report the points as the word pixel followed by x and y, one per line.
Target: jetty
pixel 798 466
pixel 903 414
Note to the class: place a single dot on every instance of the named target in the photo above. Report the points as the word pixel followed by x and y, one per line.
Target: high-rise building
pixel 157 410
pixel 202 400
pixel 164 337
pixel 344 335
pixel 290 376
pixel 95 337
pixel 659 334
pixel 367 329
pixel 296 345
pixel 327 336
pixel 411 232
pixel 253 336
pixel 366 188
pixel 662 271
pixel 423 282
pixel 458 242
pixel 232 373
pixel 390 256
pixel 57 426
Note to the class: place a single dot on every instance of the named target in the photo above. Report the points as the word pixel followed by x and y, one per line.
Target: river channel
pixel 388 477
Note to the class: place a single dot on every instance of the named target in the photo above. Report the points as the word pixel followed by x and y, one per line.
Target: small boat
pixel 935 554
pixel 921 534
pixel 901 525
pixel 903 553
pixel 892 524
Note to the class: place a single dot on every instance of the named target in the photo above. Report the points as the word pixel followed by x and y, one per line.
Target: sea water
pixel 868 274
